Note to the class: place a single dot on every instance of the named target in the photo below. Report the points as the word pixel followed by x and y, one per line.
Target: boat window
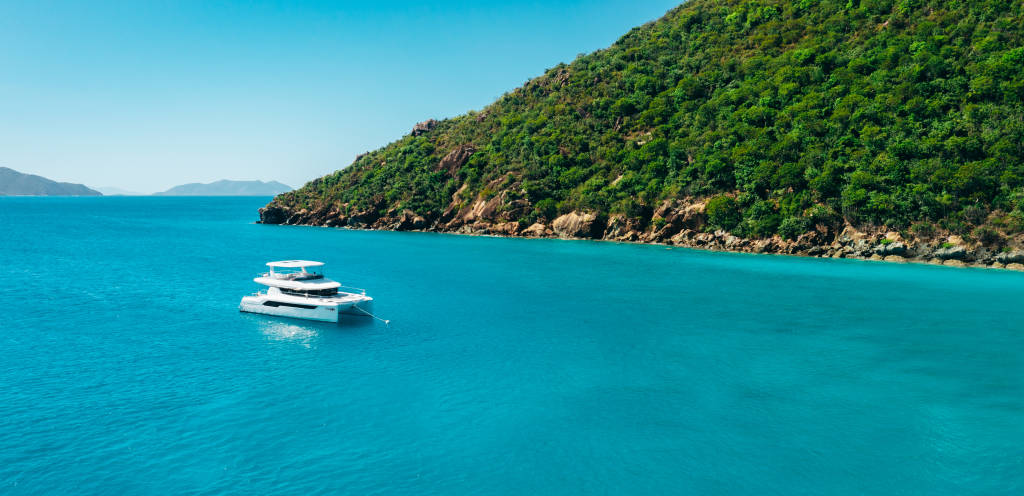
pixel 314 292
pixel 283 304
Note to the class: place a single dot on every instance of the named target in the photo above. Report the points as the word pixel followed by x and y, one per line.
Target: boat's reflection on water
pixel 305 334
pixel 308 332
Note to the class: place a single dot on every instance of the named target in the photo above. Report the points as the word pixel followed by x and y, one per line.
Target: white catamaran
pixel 297 288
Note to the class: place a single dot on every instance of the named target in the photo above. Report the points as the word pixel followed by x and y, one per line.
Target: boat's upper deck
pixel 309 284
pixel 305 275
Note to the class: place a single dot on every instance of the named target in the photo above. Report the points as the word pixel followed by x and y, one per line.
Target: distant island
pixel 863 129
pixel 14 183
pixel 225 187
pixel 112 191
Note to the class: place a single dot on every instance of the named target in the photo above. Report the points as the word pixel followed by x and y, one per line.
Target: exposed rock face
pixel 810 240
pixel 683 215
pixel 681 222
pixel 622 229
pixel 887 249
pixel 669 219
pixel 455 159
pixel 1014 256
pixel 536 230
pixel 951 253
pixel 423 127
pixel 272 214
pixel 481 210
pixel 408 220
pixel 506 228
pixel 578 225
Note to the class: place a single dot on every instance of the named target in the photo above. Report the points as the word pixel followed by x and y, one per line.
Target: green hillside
pixel 785 114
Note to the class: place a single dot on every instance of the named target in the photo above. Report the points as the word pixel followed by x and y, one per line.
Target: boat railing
pixel 357 290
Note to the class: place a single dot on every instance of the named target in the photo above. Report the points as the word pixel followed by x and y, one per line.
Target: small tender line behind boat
pixel 298 289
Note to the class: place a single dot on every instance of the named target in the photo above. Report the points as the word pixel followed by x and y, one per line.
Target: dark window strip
pixel 282 304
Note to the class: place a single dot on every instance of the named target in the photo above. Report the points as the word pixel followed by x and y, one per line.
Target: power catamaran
pixel 297 288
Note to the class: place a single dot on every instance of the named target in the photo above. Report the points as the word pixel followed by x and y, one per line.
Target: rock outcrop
pixel 423 127
pixel 951 253
pixel 578 225
pixel 679 223
pixel 455 159
pixel 408 220
pixel 1011 257
pixel 896 248
pixel 536 230
pixel 273 214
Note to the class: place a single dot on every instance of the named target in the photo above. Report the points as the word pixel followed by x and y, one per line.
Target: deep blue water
pixel 511 366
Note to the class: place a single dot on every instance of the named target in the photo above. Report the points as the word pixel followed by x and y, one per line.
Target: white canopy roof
pixel 314 285
pixel 291 264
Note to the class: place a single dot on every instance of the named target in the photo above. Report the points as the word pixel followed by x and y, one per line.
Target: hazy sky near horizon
pixel 146 95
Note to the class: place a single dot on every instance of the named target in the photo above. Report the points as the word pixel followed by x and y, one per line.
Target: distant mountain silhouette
pixel 112 191
pixel 14 183
pixel 225 187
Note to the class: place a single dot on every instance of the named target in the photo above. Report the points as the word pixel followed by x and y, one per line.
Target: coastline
pixel 682 224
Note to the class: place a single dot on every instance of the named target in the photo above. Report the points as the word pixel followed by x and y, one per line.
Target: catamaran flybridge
pixel 297 288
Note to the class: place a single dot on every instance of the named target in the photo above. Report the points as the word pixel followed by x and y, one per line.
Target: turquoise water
pixel 511 366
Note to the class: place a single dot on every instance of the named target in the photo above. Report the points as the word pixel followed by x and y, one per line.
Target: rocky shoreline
pixel 675 223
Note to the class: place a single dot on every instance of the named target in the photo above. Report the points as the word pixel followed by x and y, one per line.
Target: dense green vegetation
pixel 903 113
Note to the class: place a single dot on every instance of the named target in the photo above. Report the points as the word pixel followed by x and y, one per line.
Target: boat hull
pixel 321 311
pixel 363 308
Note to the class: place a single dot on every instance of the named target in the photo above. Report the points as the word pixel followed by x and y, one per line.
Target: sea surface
pixel 511 366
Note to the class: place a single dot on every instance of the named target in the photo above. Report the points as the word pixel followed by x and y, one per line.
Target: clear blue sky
pixel 147 95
